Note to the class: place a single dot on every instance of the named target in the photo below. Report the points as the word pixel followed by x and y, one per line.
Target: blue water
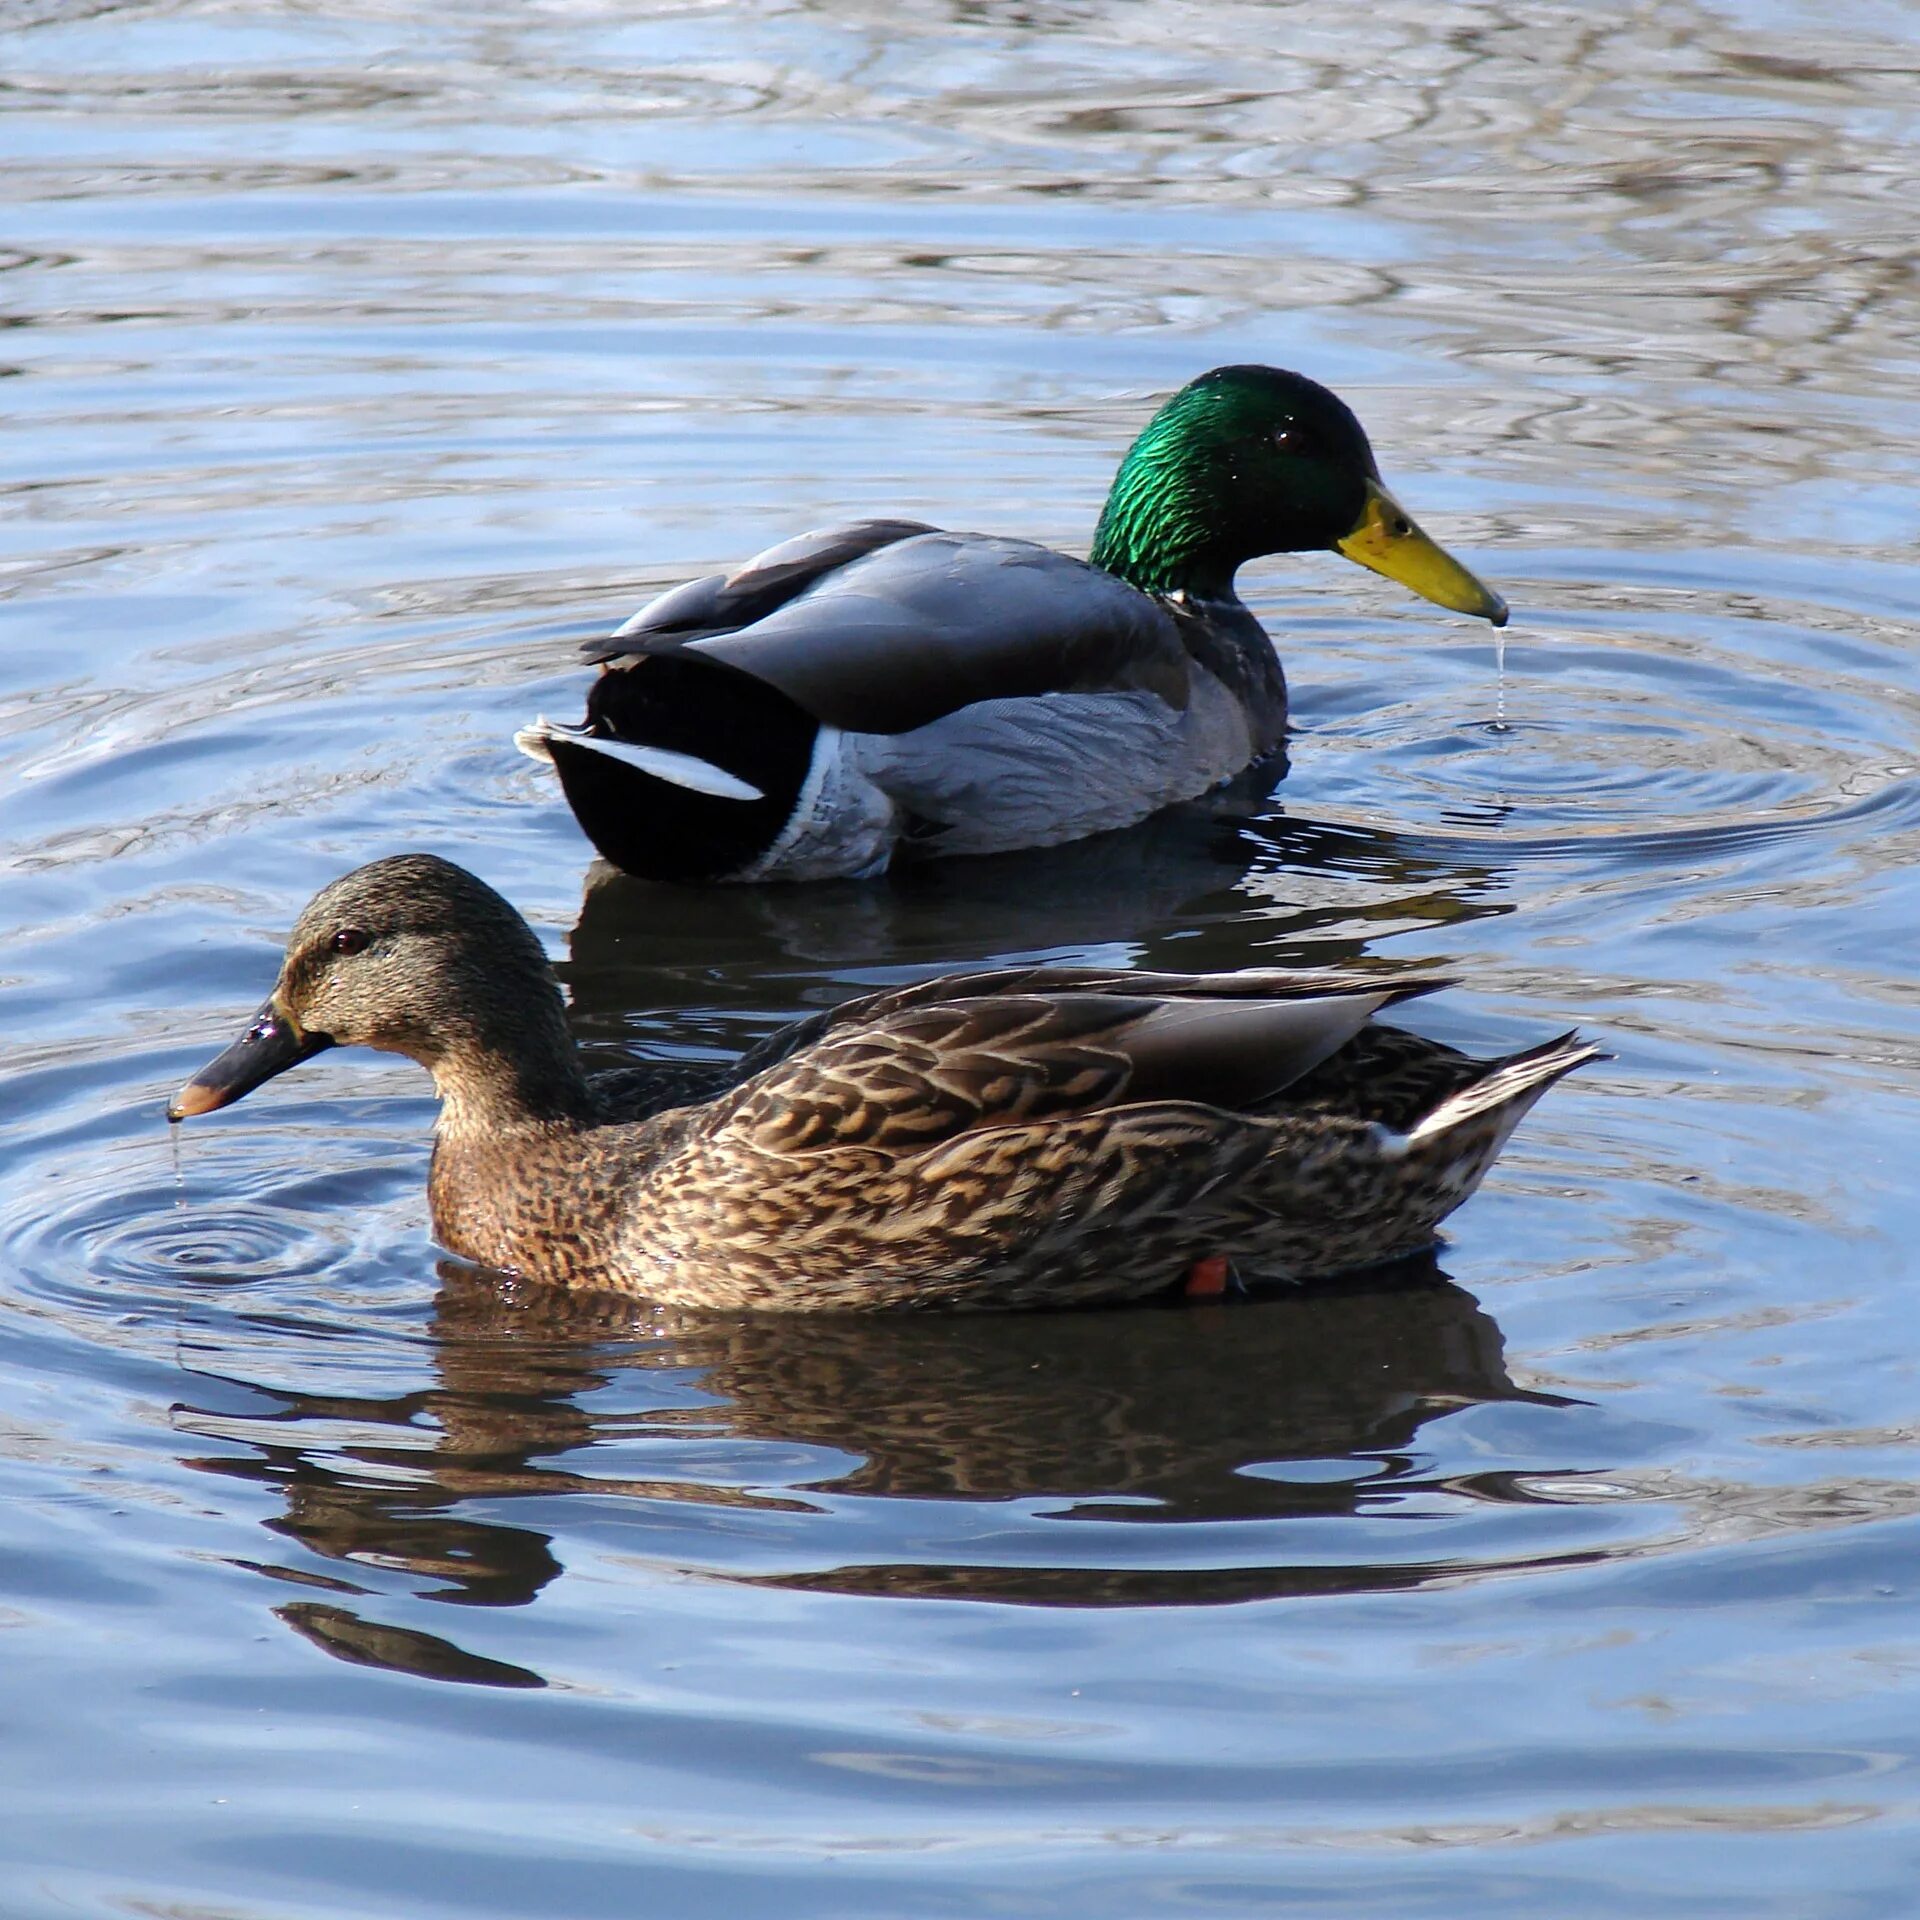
pixel 362 362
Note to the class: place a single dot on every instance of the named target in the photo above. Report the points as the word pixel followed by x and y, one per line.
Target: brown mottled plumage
pixel 1025 1137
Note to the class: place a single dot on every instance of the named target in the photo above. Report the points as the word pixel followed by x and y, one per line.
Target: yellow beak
pixel 1386 540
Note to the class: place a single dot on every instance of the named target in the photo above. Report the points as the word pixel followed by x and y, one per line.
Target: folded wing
pixel 875 628
pixel 921 1075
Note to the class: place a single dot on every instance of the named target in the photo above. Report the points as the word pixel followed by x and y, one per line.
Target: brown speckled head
pixel 413 955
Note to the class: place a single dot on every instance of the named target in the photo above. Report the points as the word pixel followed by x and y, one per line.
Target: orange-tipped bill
pixel 1387 540
pixel 271 1045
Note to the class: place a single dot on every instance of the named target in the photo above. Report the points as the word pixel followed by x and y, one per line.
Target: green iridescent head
pixel 1251 460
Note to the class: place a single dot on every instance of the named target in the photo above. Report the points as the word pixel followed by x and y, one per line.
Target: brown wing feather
pixel 928 1073
pixel 1251 983
pixel 919 1075
pixel 1387 1075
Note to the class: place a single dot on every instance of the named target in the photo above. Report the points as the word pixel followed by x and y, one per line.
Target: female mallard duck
pixel 886 682
pixel 1024 1138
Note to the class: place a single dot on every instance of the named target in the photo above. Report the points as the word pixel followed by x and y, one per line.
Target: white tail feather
pixel 532 739
pixel 1510 1089
pixel 677 769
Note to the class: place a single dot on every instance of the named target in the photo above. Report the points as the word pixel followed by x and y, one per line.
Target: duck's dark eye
pixel 351 940
pixel 1290 440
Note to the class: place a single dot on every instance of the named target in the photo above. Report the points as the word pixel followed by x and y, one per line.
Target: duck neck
pixel 1170 524
pixel 509 1069
pixel 508 1184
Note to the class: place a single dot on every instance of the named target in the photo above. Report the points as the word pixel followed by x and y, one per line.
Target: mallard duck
pixel 885 683
pixel 1020 1138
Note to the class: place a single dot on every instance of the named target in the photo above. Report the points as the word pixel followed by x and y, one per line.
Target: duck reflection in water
pixel 1182 891
pixel 1154 1418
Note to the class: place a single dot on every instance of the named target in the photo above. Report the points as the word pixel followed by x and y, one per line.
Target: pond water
pixel 365 359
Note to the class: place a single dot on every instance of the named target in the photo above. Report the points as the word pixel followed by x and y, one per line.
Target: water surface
pixel 360 364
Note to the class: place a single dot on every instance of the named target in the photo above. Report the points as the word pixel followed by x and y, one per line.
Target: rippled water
pixel 365 359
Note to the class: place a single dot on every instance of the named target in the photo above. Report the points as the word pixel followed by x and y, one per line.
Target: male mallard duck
pixel 884 681
pixel 1022 1138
